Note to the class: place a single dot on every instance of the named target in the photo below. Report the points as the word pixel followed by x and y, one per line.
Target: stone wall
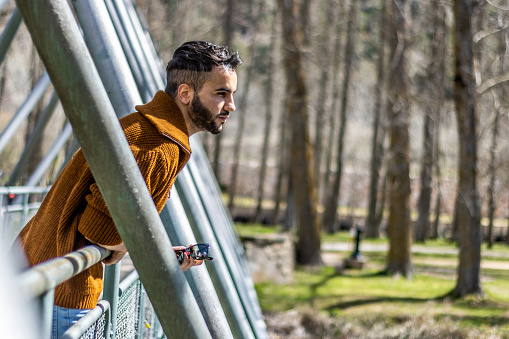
pixel 270 257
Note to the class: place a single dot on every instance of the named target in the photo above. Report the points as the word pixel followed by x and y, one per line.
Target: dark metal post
pixel 356 253
pixel 60 45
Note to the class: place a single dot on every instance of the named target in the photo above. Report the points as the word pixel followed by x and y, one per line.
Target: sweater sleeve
pixel 96 223
pixel 159 172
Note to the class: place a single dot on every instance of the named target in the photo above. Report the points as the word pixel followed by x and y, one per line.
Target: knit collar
pixel 167 118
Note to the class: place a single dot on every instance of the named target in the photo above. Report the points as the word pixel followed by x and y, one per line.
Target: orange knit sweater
pixel 74 208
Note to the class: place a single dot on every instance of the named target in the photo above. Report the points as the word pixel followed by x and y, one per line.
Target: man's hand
pixel 188 261
pixel 117 253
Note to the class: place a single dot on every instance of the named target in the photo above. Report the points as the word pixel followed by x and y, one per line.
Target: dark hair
pixel 192 62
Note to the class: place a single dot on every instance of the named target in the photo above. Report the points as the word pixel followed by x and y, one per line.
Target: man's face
pixel 212 105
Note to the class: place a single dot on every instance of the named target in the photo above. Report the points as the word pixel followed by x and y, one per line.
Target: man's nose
pixel 230 105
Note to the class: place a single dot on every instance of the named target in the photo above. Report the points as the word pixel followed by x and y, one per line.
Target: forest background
pixel 349 106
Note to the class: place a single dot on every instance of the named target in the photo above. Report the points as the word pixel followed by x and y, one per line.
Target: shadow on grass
pixel 374 300
pixel 467 302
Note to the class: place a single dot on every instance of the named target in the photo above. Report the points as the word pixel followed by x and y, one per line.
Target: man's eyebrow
pixel 224 89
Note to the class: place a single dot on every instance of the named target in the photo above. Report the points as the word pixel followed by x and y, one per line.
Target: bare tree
pixel 399 259
pixel 331 204
pixel 36 70
pixel 374 216
pixel 468 214
pixel 228 40
pixel 282 165
pixel 308 245
pixel 435 89
pixel 331 128
pixel 268 115
pixel 256 10
pixel 325 46
pixel 438 51
pixel 492 167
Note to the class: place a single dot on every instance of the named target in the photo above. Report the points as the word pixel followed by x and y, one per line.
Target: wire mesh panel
pixel 127 314
pixel 151 328
pixel 96 331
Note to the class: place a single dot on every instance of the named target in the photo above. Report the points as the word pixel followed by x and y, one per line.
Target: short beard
pixel 203 118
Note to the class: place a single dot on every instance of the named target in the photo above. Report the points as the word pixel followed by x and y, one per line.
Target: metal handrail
pixel 87 321
pixel 23 189
pixel 46 276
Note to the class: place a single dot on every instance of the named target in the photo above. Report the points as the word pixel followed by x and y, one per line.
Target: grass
pixel 368 297
pixel 366 303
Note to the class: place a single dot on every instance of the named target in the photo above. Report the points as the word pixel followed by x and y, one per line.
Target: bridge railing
pixel 123 311
pixel 17 205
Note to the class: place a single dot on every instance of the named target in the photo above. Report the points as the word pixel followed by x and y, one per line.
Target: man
pixel 201 81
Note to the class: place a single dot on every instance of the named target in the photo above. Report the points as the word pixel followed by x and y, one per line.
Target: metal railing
pixel 16 208
pixel 124 310
pixel 40 281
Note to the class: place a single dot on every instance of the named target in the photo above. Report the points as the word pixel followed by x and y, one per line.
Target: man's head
pixel 201 78
pixel 193 62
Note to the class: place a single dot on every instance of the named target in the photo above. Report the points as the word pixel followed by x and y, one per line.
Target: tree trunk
pixel 335 99
pixel 38 153
pixel 283 160
pixel 268 117
pixel 438 52
pixel 399 223
pixel 321 105
pixel 241 112
pixel 492 170
pixel 377 145
pixel 331 204
pixel 467 199
pixel 424 203
pixel 308 245
pixel 228 39
pixel 507 232
pixel 438 198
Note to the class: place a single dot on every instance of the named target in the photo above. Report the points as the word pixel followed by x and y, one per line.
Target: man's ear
pixel 185 94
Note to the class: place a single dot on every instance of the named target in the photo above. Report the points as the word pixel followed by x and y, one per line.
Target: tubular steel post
pixel 223 281
pixel 153 62
pixel 221 228
pixel 178 228
pixel 60 45
pixel 24 110
pixel 131 58
pixel 109 59
pixel 50 156
pixel 46 309
pixel 9 33
pixel 141 314
pixel 34 140
pixel 135 46
pixel 111 294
